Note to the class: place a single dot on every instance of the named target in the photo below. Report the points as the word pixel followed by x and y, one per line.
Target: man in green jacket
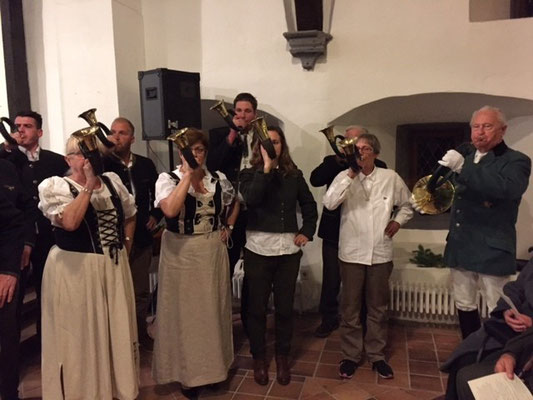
pixel 481 244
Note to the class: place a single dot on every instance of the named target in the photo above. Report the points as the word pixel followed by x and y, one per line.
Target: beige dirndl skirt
pixel 89 332
pixel 193 340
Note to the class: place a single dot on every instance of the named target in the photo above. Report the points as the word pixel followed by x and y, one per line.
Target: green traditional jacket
pixel 482 235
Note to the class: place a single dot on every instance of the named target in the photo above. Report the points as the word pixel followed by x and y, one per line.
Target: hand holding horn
pixel 260 129
pixel 180 139
pixel 90 117
pixel 7 137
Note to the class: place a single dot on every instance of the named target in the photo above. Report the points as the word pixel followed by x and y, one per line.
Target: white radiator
pixel 425 302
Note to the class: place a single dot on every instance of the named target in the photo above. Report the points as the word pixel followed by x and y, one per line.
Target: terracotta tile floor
pixel 414 351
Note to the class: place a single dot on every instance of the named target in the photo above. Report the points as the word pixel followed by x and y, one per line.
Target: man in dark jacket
pixel 328 231
pixel 481 245
pixel 139 175
pixel 34 164
pixel 230 152
pixel 18 213
pixel 503 325
pixel 516 357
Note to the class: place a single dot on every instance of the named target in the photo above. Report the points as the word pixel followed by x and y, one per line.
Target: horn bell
pixel 87 136
pixel 89 116
pixel 328 132
pixel 220 108
pixel 434 203
pixel 180 138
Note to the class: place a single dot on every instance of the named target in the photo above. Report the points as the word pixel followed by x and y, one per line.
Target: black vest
pixel 86 238
pixel 190 209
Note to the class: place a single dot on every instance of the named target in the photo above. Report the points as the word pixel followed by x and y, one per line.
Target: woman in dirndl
pixel 89 334
pixel 193 341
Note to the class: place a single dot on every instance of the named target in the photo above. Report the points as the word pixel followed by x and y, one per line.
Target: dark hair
pixel 125 121
pixel 246 97
pixel 285 163
pixel 32 114
pixel 196 136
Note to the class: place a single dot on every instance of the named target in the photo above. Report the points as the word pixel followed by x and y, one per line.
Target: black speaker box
pixel 169 100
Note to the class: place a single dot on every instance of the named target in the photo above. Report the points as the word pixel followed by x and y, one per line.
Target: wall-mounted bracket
pixel 308 46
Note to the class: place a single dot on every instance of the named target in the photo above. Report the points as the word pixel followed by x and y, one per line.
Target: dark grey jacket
pixel 521 294
pixel 482 234
pixel 272 198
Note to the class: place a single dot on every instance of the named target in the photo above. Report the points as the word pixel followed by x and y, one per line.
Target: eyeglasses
pixel 485 127
pixel 365 149
pixel 198 150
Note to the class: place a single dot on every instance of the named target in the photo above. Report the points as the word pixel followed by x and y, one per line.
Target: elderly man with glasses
pixel 481 245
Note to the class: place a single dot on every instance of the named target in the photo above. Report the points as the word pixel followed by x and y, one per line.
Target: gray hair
pixel 372 140
pixel 72 145
pixel 358 127
pixel 500 116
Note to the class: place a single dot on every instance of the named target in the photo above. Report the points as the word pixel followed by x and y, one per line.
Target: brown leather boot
pixel 260 371
pixel 283 374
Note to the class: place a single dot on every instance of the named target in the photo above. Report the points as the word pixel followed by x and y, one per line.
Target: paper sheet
pixel 499 387
pixel 508 301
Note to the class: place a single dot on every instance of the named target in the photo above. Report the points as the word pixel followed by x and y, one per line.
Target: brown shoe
pixel 260 371
pixel 283 374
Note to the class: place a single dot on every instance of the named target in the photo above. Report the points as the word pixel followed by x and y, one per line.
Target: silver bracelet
pixel 84 189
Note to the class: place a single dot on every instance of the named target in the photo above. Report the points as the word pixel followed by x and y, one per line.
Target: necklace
pixel 365 193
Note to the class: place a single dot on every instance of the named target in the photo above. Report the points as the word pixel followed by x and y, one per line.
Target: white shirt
pixel 367 204
pixel 31 157
pixel 478 156
pixel 55 195
pixel 247 141
pixel 271 243
pixel 165 184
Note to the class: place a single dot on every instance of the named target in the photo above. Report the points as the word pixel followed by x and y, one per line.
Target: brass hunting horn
pixel 351 152
pixel 8 138
pixel 90 117
pixel 433 194
pixel 332 140
pixel 260 129
pixel 88 145
pixel 220 108
pixel 180 139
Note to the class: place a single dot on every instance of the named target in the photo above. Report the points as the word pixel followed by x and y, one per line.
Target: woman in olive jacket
pixel 272 188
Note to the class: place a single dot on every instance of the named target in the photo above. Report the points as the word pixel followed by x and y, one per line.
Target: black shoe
pixel 325 329
pixel 347 369
pixel 190 393
pixel 383 369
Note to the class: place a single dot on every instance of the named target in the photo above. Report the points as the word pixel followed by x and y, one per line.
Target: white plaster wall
pixel 173 36
pixel 128 33
pixel 75 63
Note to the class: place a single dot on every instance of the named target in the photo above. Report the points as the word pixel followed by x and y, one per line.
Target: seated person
pixel 503 325
pixel 516 357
